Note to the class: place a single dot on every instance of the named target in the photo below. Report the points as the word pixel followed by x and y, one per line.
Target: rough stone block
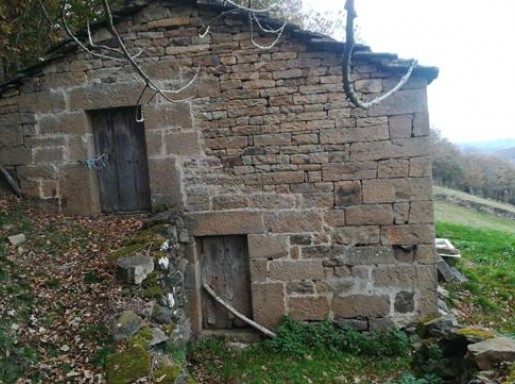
pixel 369 85
pixel 300 288
pixel 356 235
pixel 369 256
pixel 394 168
pixel 170 22
pixel 335 217
pixel 258 270
pixel 44 102
pixel 361 306
pixel 168 115
pixel 427 303
pixel 407 234
pixel 420 167
pixel 135 269
pixel 323 252
pixel 405 276
pixel 10 133
pixel 369 214
pixel 225 223
pixel 272 139
pixel 64 123
pixel 294 270
pixel 402 102
pixel 15 156
pixel 401 213
pixel 280 177
pixel 349 171
pixel 381 324
pixel 226 202
pixel 182 143
pixel 425 254
pixel 378 150
pixel 395 190
pixel 404 302
pixel 293 222
pixel 421 124
pixel 357 324
pixel 421 212
pixel 353 135
pixel 100 96
pixel 268 303
pixel 49 155
pixel 78 190
pixel 268 246
pixel 301 139
pixel 165 184
pixel 308 308
pixel 400 126
pixel 227 142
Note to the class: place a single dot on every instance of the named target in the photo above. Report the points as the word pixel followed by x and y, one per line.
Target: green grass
pixel 437 190
pixel 488 260
pixel 216 363
pixel 447 212
pixel 317 352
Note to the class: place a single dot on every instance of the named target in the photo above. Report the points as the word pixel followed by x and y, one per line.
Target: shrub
pixel 295 337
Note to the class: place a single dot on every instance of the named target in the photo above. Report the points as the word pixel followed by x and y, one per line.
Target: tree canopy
pixel 473 172
pixel 30 27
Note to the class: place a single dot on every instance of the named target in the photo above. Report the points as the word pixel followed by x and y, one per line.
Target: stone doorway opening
pixel 224 266
pixel 123 176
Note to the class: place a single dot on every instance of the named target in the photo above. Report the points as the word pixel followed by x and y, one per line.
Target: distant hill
pixel 508 154
pixel 488 146
pixel 504 149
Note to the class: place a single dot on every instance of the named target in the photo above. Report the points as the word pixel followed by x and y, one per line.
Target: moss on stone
pixel 128 366
pixel 124 252
pixel 168 374
pixel 170 329
pixel 476 333
pixel 154 292
pixel 510 376
pixel 142 338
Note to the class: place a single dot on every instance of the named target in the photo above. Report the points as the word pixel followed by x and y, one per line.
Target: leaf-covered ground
pixel 56 291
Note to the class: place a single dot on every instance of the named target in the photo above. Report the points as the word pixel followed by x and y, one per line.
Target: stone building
pixel 291 200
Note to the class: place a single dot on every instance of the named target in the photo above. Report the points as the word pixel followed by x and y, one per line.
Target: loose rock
pixel 489 353
pixel 135 269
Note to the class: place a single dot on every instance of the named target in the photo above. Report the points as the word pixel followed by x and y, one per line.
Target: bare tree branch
pixel 148 81
pixel 347 63
pixel 278 32
pixel 231 309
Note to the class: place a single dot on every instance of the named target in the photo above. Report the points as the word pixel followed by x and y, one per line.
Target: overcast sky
pixel 471 41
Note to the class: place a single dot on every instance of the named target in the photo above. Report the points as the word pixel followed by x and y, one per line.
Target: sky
pixel 470 41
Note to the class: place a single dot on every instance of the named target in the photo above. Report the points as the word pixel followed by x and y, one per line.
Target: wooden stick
pixel 236 313
pixel 11 181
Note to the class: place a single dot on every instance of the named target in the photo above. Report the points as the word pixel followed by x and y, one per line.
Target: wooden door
pixel 123 181
pixel 225 267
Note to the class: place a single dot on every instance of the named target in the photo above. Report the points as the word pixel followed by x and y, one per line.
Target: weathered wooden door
pixel 123 180
pixel 225 267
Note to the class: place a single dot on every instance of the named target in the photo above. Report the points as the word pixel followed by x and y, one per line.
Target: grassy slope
pixel 437 190
pixel 447 212
pixel 487 244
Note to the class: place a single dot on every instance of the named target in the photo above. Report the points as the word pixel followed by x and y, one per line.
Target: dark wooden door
pixel 124 182
pixel 225 267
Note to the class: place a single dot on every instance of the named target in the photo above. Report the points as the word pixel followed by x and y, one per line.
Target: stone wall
pixel 335 201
